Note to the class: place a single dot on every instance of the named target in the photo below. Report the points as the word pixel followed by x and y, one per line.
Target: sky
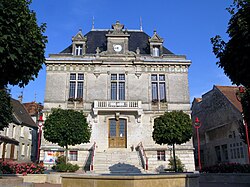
pixel 185 25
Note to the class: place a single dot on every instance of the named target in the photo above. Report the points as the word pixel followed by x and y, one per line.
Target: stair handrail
pixel 92 157
pixel 143 153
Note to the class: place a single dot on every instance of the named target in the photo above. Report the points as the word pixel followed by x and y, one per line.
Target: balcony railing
pixel 117 106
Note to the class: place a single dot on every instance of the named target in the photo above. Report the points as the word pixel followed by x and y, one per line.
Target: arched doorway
pixel 117 133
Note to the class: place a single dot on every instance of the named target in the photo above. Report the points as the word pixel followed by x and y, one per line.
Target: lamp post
pixel 40 125
pixel 197 125
pixel 242 91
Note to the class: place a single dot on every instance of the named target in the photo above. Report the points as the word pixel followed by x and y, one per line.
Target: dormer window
pixel 156 51
pixel 78 50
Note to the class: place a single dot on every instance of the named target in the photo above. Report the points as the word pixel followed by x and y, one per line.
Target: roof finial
pixel 93 23
pixel 140 24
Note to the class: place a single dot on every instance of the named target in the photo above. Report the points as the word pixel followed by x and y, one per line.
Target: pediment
pixel 156 38
pixel 79 37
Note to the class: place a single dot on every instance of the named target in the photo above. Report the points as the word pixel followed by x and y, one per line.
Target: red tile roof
pixel 229 92
pixel 33 108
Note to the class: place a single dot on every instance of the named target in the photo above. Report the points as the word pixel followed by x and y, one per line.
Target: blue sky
pixel 185 26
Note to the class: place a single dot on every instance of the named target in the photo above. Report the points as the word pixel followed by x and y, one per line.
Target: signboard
pixel 51 156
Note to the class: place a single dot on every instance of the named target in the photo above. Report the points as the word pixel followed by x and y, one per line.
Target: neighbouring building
pixel 18 140
pixel 34 109
pixel 122 80
pixel 219 112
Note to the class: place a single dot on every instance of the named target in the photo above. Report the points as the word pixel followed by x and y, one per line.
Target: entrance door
pixel 117 133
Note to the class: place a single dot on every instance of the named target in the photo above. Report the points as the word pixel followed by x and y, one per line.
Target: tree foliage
pixel 22 43
pixel 66 127
pixel 5 109
pixel 172 128
pixel 234 55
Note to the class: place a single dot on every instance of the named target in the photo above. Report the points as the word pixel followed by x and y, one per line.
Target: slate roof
pixel 229 92
pixel 97 38
pixel 21 115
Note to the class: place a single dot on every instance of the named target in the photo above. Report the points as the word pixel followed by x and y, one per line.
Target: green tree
pixel 22 43
pixel 5 109
pixel 66 127
pixel 234 55
pixel 22 46
pixel 172 128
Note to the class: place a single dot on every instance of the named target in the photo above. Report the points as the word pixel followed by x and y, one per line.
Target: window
pixel 78 50
pixel 30 134
pixel 161 155
pixel 76 85
pixel 23 149
pixel 22 131
pixel 117 86
pixel 28 150
pixel 218 154
pixel 156 51
pixel 73 155
pixel 13 131
pixel 158 88
pixel 224 152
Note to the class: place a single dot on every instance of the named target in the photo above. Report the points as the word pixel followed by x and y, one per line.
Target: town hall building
pixel 121 80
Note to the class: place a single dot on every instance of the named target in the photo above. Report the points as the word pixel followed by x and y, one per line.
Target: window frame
pixel 156 90
pixel 78 49
pixel 118 85
pixel 161 155
pixel 75 82
pixel 73 157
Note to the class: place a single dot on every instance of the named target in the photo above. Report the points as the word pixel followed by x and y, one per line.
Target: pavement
pixel 47 185
pixel 201 185
pixel 222 185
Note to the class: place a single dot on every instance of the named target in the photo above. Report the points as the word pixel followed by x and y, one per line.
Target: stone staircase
pixel 117 161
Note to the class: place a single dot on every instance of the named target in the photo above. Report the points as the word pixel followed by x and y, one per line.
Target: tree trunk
pixel 66 154
pixel 175 168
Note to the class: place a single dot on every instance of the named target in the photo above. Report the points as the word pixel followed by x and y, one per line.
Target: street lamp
pixel 238 97
pixel 40 125
pixel 197 125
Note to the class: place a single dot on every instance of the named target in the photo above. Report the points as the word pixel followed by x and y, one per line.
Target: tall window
pixel 158 88
pixel 117 86
pixel 76 85
pixel 22 131
pixel 78 50
pixel 23 149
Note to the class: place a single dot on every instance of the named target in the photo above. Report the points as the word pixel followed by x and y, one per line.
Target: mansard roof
pixel 21 115
pixel 97 38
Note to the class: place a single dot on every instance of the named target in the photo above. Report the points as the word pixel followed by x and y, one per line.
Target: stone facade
pixel 121 80
pixel 219 113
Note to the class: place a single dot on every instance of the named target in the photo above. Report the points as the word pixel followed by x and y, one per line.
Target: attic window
pixel 78 50
pixel 156 51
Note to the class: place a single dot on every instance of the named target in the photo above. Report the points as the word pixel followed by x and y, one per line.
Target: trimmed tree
pixel 234 55
pixel 66 127
pixel 172 128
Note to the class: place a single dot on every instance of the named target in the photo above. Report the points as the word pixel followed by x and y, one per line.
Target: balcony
pixel 118 106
